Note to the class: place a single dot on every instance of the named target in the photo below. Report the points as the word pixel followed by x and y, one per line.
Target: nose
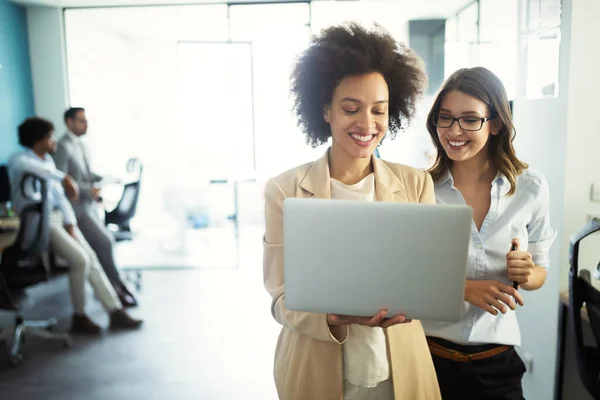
pixel 365 120
pixel 454 130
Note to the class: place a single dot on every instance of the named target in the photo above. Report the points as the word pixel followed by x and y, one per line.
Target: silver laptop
pixel 355 258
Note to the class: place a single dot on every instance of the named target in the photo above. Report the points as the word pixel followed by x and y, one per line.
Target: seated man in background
pixel 71 157
pixel 66 240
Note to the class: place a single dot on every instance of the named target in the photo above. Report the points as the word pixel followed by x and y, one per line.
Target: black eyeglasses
pixel 466 123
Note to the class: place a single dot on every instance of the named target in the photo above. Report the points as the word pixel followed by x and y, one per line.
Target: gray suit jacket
pixel 69 159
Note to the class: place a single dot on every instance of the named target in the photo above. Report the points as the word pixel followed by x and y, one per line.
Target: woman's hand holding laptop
pixel 379 320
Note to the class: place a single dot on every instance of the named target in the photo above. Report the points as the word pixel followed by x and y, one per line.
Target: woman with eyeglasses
pixel 471 126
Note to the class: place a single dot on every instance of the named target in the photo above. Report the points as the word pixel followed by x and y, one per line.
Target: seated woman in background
pixel 351 85
pixel 471 126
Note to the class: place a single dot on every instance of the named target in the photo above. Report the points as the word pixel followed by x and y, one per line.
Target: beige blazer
pixel 308 357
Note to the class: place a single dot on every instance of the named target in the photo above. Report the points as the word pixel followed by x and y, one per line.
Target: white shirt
pixel 73 136
pixel 365 351
pixel 29 161
pixel 84 155
pixel 81 150
pixel 524 215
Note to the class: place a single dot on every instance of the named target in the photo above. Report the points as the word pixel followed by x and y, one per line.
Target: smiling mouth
pixel 363 140
pixel 458 144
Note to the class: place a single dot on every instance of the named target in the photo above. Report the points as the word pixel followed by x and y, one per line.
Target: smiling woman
pixel 477 100
pixel 470 124
pixel 354 86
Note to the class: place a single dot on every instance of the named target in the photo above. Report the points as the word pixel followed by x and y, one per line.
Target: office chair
pixel 22 266
pixel 127 206
pixel 4 193
pixel 4 185
pixel 582 292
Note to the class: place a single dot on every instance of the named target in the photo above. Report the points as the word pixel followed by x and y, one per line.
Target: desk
pixel 236 202
pixel 12 224
pixel 9 222
pixel 8 237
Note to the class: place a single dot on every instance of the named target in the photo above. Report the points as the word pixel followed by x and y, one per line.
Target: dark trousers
pixel 494 378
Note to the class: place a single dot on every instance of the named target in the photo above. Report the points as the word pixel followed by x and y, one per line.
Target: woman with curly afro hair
pixel 355 86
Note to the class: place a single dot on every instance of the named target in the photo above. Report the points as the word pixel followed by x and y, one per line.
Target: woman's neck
pixel 473 171
pixel 346 169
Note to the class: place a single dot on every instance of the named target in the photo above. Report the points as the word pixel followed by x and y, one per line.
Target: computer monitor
pixel 4 184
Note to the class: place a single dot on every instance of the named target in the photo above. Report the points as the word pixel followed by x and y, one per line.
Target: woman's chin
pixel 365 153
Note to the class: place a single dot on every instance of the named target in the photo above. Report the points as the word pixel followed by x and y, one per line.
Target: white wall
pixel 48 63
pixel 583 133
pixel 541 141
pixel 538 319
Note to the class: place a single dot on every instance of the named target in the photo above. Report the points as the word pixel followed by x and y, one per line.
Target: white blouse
pixel 523 215
pixel 365 351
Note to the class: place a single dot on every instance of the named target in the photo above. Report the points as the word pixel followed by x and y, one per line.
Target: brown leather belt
pixel 440 351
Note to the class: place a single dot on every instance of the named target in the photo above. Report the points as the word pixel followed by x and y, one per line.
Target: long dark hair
pixel 484 85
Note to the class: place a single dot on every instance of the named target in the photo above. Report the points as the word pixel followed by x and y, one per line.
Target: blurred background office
pixel 188 105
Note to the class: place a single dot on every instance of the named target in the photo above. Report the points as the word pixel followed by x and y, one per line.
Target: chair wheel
pixel 50 328
pixel 67 343
pixel 15 359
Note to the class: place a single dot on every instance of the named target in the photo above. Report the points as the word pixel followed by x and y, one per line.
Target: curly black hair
pixel 34 129
pixel 351 49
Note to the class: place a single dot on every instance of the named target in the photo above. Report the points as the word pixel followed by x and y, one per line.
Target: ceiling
pixel 417 9
pixel 114 3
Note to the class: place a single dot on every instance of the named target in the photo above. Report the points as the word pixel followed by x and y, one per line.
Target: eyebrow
pixel 351 100
pixel 464 112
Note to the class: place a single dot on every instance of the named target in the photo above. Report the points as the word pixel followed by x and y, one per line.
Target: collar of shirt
pixel 35 155
pixel 499 180
pixel 74 137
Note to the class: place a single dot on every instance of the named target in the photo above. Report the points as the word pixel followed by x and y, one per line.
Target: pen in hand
pixel 513 247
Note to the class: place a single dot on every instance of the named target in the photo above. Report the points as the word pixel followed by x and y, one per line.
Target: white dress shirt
pixel 523 215
pixel 81 151
pixel 83 154
pixel 29 161
pixel 365 351
pixel 76 139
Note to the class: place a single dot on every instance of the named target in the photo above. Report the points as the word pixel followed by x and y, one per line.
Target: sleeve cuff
pixel 69 219
pixel 59 175
pixel 540 252
pixel 338 333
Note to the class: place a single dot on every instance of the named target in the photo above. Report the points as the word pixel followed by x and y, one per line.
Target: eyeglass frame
pixel 481 119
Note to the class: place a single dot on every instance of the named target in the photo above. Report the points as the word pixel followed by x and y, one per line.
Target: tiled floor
pixel 208 334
